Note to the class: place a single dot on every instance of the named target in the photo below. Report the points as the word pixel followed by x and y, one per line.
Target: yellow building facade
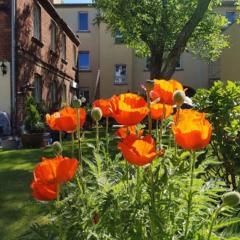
pixel 109 67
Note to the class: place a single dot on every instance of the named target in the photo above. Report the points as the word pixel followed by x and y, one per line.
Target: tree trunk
pixel 160 71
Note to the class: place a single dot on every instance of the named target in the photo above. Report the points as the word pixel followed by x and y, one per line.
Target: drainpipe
pixel 13 64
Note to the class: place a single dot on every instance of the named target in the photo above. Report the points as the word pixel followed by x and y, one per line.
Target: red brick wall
pixel 34 59
pixel 5 34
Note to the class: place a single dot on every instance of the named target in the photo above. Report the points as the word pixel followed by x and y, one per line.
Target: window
pixel 118 37
pixel 53 36
pixel 84 61
pixel 120 74
pixel 84 93
pixel 179 64
pixel 83 21
pixel 63 48
pixel 64 94
pixel 38 89
pixel 74 56
pixel 147 64
pixel 53 92
pixel 37 22
pixel 231 17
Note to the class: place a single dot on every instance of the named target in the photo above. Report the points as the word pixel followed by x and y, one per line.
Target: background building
pixel 40 53
pixel 108 67
pixel 5 56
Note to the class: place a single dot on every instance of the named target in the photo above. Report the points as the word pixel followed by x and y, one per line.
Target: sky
pixel 77 1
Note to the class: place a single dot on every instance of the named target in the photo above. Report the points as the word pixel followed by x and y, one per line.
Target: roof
pixel 73 5
pixel 48 6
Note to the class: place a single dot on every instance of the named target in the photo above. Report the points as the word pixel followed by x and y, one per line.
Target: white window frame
pixel 120 79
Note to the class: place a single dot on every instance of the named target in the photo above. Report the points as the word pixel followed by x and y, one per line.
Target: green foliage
pixel 155 24
pixel 222 105
pixel 32 121
pixel 113 200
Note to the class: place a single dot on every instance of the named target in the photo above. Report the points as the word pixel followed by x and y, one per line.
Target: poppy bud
pixel 76 103
pixel 149 85
pixel 57 148
pixel 231 199
pixel 96 114
pixel 179 97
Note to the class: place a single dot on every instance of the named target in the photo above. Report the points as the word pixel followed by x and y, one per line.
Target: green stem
pixel 138 195
pixel 149 115
pixel 79 141
pixel 107 136
pixel 190 194
pixel 153 208
pixel 72 136
pixel 160 134
pixel 60 137
pixel 214 217
pixel 58 206
pixel 127 170
pixel 97 136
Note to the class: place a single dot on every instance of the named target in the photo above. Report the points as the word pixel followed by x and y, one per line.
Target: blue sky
pixel 77 1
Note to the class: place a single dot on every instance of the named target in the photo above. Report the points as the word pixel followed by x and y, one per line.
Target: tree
pixel 163 29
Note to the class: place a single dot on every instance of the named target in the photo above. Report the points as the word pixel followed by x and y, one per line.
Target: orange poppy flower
pixel 157 111
pixel 128 109
pixel 192 130
pixel 43 191
pixel 164 90
pixel 139 151
pixel 125 131
pixel 49 174
pixel 57 170
pixel 104 105
pixel 66 119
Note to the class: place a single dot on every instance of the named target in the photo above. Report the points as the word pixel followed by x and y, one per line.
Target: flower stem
pixel 79 141
pixel 214 217
pixel 149 115
pixel 153 208
pixel 72 136
pixel 107 136
pixel 190 194
pixel 97 136
pixel 60 137
pixel 58 206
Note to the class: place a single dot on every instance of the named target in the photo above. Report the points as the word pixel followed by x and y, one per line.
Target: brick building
pixel 42 58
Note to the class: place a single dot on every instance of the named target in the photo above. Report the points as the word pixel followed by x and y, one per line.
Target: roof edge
pixel 49 7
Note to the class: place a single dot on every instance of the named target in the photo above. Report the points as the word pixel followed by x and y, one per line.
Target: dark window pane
pixel 84 60
pixel 83 21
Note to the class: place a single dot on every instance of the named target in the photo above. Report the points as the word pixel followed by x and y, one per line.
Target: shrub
pixel 222 104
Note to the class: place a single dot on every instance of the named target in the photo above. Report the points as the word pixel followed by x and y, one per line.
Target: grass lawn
pixel 17 207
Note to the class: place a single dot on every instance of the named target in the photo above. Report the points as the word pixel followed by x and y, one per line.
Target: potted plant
pixel 33 127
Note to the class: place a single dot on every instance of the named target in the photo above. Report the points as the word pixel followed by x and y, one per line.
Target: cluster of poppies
pixel 191 129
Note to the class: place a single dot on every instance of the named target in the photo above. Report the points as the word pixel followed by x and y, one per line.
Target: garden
pixel 165 172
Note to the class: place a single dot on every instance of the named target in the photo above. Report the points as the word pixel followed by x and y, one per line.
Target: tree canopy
pixel 163 29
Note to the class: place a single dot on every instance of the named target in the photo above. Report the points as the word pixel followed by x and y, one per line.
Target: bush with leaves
pixel 222 104
pixel 32 121
pixel 169 198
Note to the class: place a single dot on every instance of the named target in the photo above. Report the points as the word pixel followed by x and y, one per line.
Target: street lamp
pixel 3 68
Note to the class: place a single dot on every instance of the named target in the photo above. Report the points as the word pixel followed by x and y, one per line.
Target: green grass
pixel 17 207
